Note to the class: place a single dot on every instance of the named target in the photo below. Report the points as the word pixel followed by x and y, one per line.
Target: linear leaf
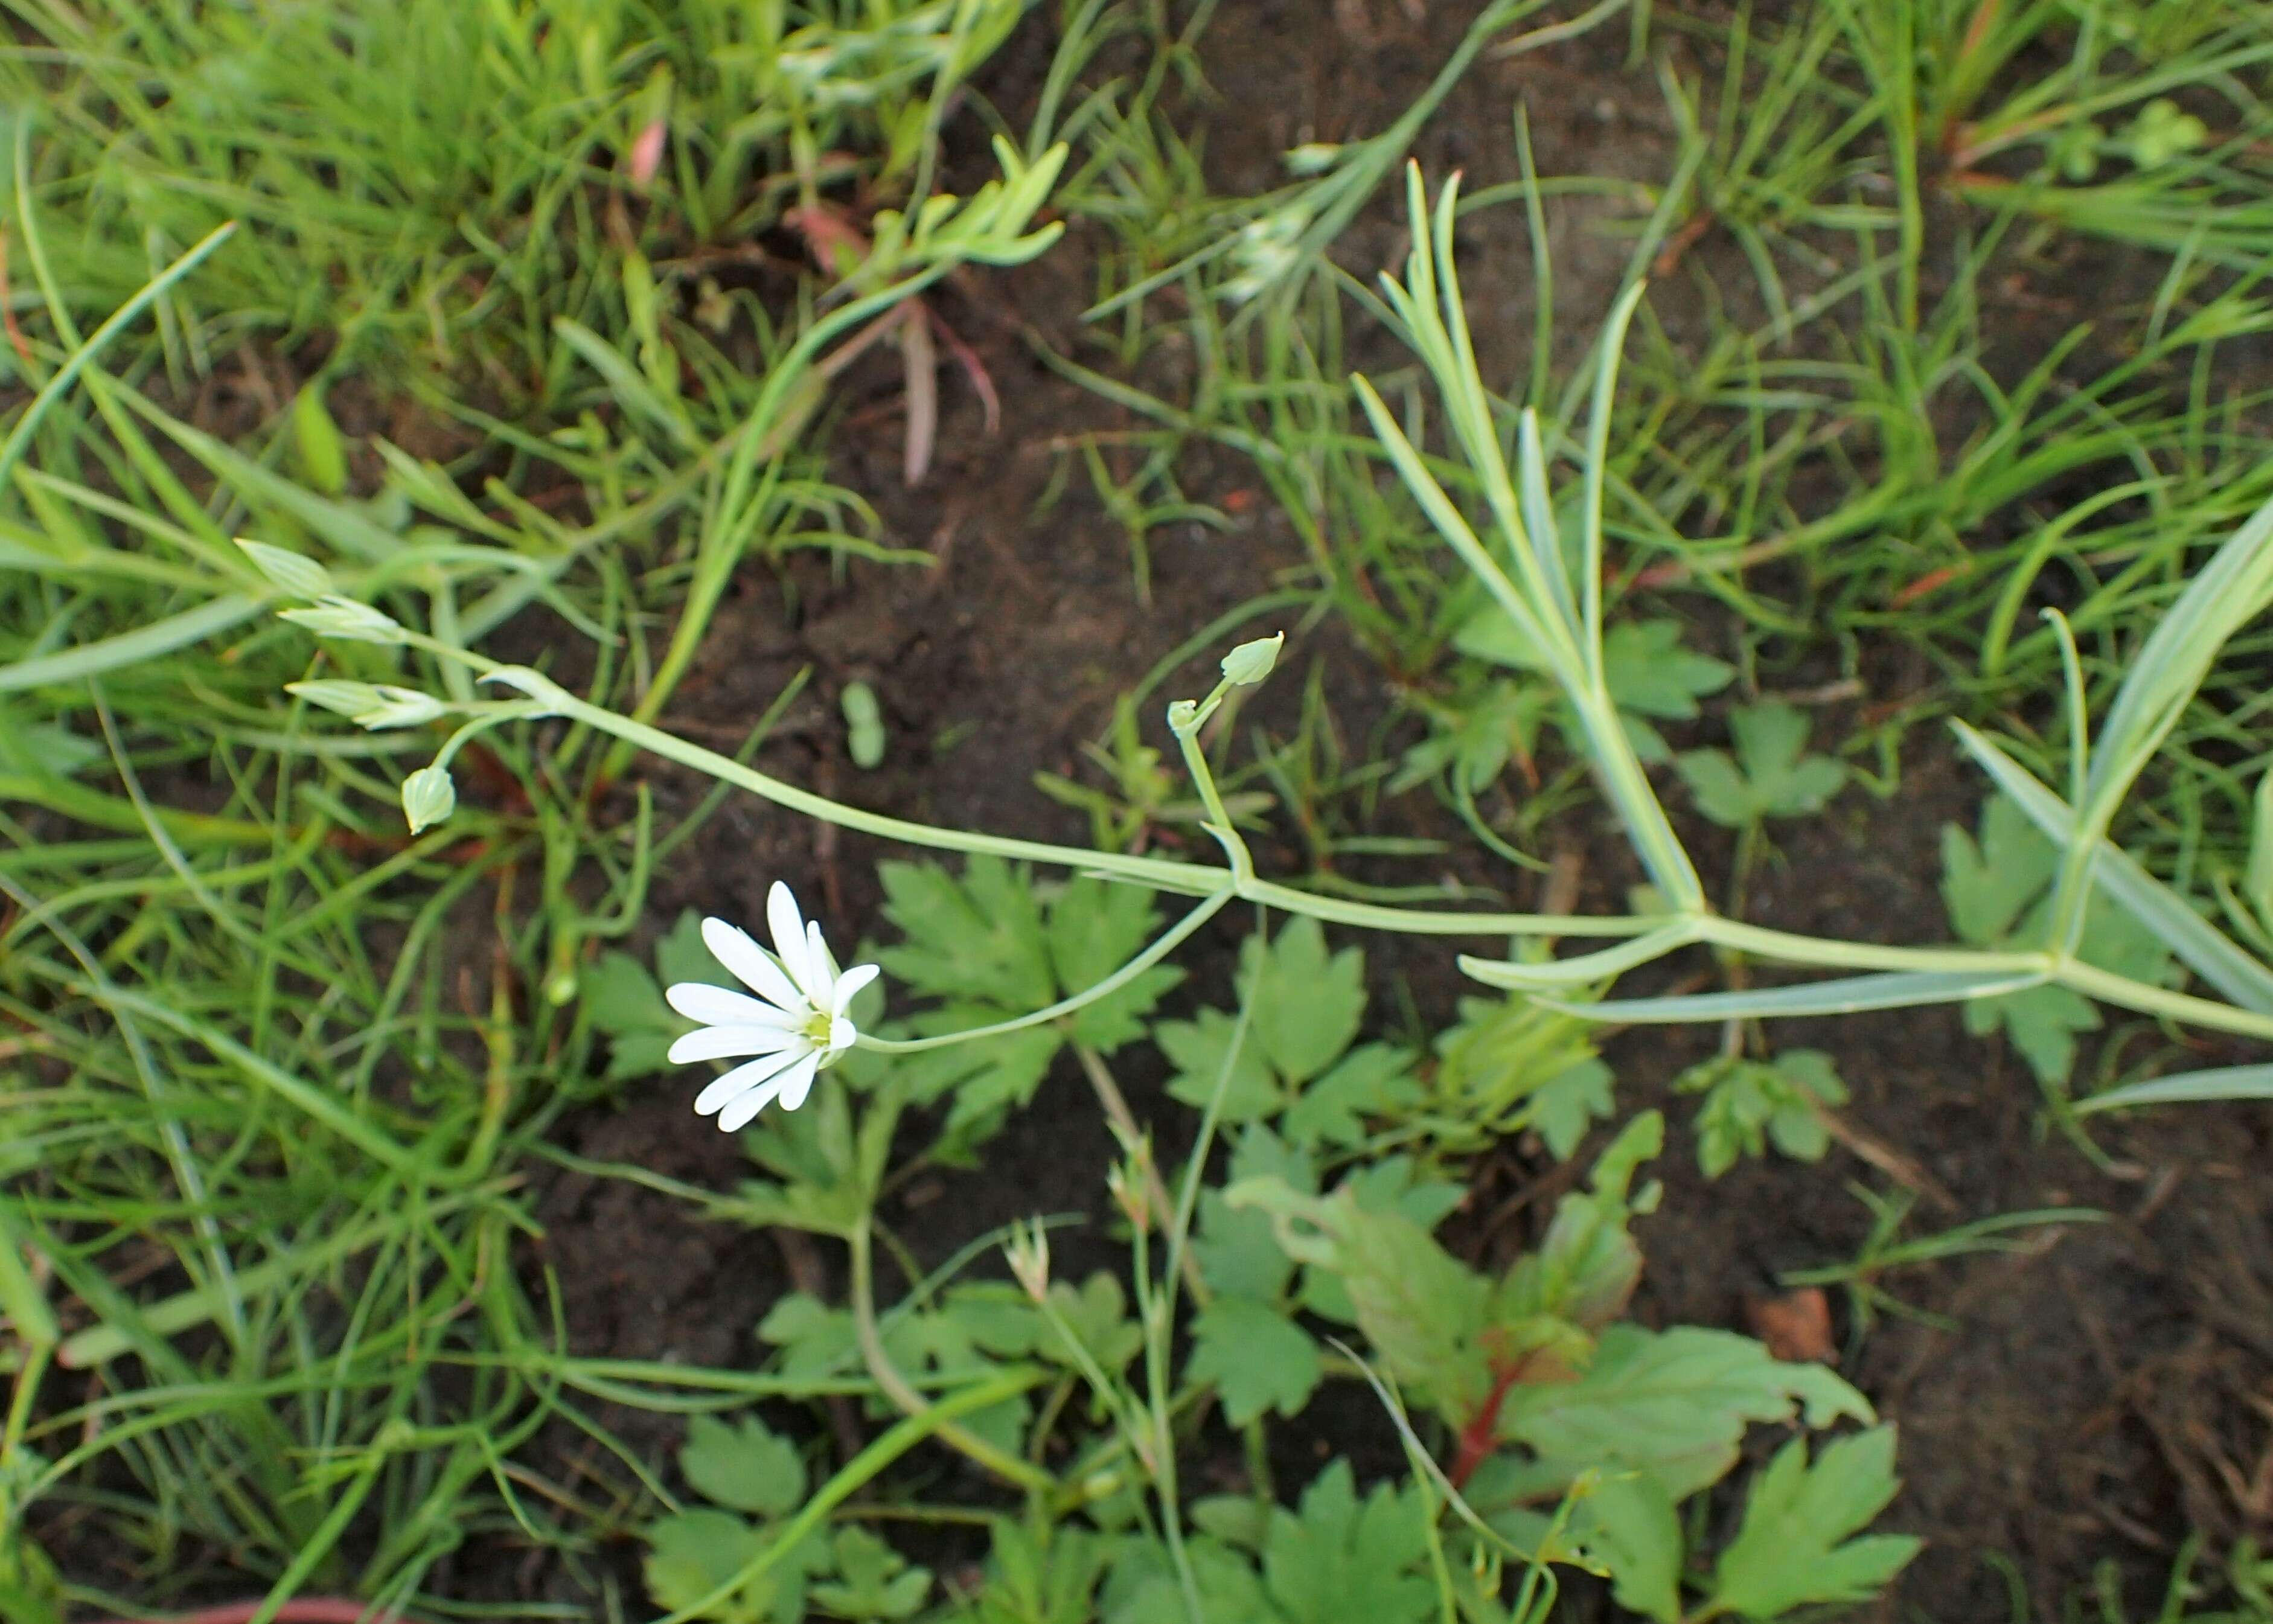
pixel 1895 990
pixel 2248 1082
pixel 2208 952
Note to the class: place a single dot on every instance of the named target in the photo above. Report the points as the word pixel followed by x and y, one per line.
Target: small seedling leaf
pixel 747 1467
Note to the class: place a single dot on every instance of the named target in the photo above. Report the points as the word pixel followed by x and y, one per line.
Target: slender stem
pixel 1124 1122
pixel 2121 990
pixel 1195 762
pixel 1161 874
pixel 898 1390
pixel 1788 947
pixel 1168 943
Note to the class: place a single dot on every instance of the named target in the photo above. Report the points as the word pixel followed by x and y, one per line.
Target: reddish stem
pixel 306 1610
pixel 1480 1433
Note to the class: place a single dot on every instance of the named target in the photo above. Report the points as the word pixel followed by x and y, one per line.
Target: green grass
pixel 278 1074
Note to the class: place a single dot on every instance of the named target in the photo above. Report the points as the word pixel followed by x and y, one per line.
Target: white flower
pixel 795 1026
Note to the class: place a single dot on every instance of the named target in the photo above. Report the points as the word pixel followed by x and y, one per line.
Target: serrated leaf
pixel 874 1580
pixel 1587 1264
pixel 1629 1525
pixel 979 938
pixel 2042 1023
pixel 1235 1249
pixel 1748 1102
pixel 691 1553
pixel 1094 929
pixel 747 1467
pixel 1674 1403
pixel 1648 671
pixel 1796 1545
pixel 1571 1102
pixel 1040 1575
pixel 1375 1079
pixel 1143 1586
pixel 1771 775
pixel 628 1007
pixel 1337 1560
pixel 1986 887
pixel 1200 1048
pixel 1256 1358
pixel 1394 1185
pixel 1511 1064
pixel 1420 1307
pixel 1307 1003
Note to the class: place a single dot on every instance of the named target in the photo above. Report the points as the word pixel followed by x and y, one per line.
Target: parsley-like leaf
pixel 1771 775
pixel 1796 1546
pixel 873 1580
pixel 1258 1359
pixel 749 1467
pixel 1337 1560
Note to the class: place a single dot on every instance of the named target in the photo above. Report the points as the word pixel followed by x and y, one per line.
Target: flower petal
pixel 824 968
pixel 796 1082
pixel 744 1108
pixel 841 1035
pixel 754 967
pixel 724 1042
pixel 789 935
pixel 746 1079
pixel 715 1006
pixel 849 983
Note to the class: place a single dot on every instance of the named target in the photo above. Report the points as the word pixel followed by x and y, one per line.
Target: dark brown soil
pixel 2094 1396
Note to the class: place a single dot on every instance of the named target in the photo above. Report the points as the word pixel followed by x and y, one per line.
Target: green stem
pixel 857 1472
pixel 1173 938
pixel 1195 763
pixel 1161 873
pixel 902 1393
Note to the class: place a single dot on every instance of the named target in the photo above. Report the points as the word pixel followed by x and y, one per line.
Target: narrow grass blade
pixel 2201 945
pixel 2249 1082
pixel 1896 990
pixel 144 643
pixel 19 438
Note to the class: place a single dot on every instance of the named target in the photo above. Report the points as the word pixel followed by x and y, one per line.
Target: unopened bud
pixel 1028 1253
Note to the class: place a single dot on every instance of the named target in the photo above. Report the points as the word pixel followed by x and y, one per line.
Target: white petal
pixel 738 1115
pixel 840 1036
pixel 724 1042
pixel 752 965
pixel 796 1082
pixel 849 984
pixel 823 984
pixel 789 935
pixel 715 1006
pixel 746 1079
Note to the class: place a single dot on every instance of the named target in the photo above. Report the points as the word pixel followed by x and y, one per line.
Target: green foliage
pixel 1652 677
pixel 1511 1063
pixel 743 1469
pixel 1771 775
pixel 1798 1545
pixel 991 946
pixel 1297 1063
pixel 1750 1104
pixel 1998 893
pixel 1256 1358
